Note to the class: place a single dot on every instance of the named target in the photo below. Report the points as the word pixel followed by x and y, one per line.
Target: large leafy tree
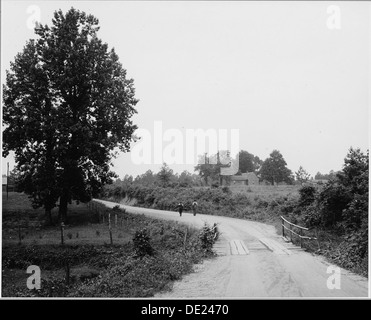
pixel 274 169
pixel 248 162
pixel 67 110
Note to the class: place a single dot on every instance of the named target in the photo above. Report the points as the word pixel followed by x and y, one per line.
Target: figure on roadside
pixel 194 207
pixel 180 207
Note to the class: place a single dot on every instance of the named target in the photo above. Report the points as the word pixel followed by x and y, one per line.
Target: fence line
pixel 300 234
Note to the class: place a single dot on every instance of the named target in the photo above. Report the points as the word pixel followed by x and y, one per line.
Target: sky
pixel 291 76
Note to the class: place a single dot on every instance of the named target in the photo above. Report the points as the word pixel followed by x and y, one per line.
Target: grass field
pixel 21 221
pixel 96 268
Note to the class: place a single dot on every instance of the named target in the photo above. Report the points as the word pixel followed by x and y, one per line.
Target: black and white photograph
pixel 185 151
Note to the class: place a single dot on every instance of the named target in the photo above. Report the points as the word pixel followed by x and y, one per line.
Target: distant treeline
pixel 272 170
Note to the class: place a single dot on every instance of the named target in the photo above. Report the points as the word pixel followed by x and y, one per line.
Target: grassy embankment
pixel 87 265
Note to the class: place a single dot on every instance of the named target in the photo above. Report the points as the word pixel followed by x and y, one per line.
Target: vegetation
pixel 146 257
pixel 67 106
pixel 274 169
pixel 335 212
pixel 338 212
pixel 248 162
pixel 301 175
pixel 328 176
pixel 208 236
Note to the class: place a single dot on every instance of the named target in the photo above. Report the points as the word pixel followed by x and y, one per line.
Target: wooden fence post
pixel 109 227
pixel 185 239
pixel 300 233
pixel 290 233
pixel 67 273
pixel 62 233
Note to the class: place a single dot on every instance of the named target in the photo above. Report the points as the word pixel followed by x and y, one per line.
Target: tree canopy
pixel 67 109
pixel 248 162
pixel 274 169
pixel 302 175
pixel 165 175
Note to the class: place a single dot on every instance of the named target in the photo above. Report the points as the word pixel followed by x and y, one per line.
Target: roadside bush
pixel 142 245
pixel 290 206
pixel 307 195
pixel 261 203
pixel 208 236
pixel 117 209
pixel 311 216
pixel 226 189
pixel 333 199
pixel 356 214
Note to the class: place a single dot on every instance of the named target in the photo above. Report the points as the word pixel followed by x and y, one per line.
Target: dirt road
pixel 254 261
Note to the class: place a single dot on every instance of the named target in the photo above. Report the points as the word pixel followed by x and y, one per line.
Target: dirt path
pixel 253 261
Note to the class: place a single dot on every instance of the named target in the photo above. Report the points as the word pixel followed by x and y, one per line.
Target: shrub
pixel 226 189
pixel 116 209
pixel 289 206
pixel 142 245
pixel 355 215
pixel 261 203
pixel 307 195
pixel 312 216
pixel 208 236
pixel 333 199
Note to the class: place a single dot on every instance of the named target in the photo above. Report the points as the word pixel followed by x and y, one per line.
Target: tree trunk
pixel 63 203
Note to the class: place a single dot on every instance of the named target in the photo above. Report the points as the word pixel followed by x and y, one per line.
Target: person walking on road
pixel 180 207
pixel 194 207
